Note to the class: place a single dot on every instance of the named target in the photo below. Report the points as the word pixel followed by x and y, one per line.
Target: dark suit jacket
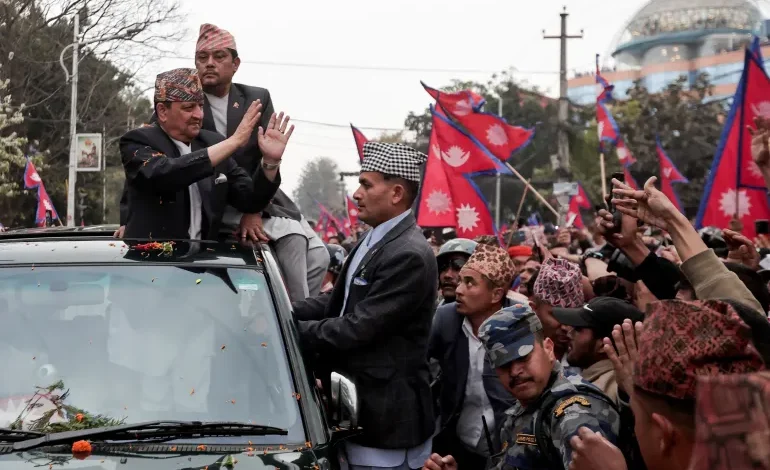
pixel 158 178
pixel 381 340
pixel 248 157
pixel 449 345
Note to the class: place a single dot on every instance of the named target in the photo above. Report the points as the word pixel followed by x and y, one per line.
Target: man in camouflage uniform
pixel 451 258
pixel 526 365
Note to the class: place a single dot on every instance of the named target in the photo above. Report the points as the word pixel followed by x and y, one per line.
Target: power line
pixel 347 126
pixel 376 67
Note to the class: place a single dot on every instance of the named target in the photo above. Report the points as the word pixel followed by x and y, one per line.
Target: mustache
pixel 443 284
pixel 518 380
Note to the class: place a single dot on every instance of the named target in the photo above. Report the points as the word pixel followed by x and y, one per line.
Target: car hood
pixel 159 457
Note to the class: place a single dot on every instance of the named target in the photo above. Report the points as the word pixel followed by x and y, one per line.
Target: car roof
pixel 96 245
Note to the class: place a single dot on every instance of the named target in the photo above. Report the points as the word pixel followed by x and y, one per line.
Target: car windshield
pixel 142 343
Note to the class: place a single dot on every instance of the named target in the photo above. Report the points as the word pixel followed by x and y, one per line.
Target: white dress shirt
pixel 370 456
pixel 470 428
pixel 219 111
pixel 196 203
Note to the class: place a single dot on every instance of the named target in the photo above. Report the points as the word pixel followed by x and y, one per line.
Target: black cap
pixel 600 314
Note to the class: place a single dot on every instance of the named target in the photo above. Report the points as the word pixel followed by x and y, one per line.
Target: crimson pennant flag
pixel 732 189
pixel 606 127
pixel 360 139
pixel 332 222
pixel 577 202
pixel 32 180
pixel 352 211
pixel 624 155
pixel 668 175
pixel 435 207
pixel 500 138
pixel 630 181
pixel 464 158
pixel 460 103
pixel 320 225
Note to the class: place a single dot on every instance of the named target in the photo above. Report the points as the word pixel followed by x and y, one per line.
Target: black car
pixel 134 354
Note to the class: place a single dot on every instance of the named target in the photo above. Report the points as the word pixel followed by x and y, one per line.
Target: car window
pixel 146 343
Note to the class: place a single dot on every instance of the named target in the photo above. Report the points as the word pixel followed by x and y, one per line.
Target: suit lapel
pixel 236 108
pixel 208 118
pixel 402 226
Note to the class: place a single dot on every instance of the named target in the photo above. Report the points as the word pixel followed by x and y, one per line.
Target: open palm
pixel 272 142
pixel 650 206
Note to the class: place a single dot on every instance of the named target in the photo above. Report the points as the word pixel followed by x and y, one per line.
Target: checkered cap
pixel 393 159
pixel 212 38
pixel 178 85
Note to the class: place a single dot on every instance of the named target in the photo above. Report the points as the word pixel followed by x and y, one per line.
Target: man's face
pixel 519 262
pixel 449 273
pixel 217 67
pixel 377 198
pixel 527 377
pixel 584 348
pixel 552 328
pixel 475 294
pixel 527 271
pixel 182 121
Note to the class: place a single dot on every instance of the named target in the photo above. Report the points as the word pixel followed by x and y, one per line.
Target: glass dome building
pixel 669 38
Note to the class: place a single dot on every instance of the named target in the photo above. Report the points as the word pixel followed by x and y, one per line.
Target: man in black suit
pixel 179 177
pixel 374 326
pixel 300 252
pixel 470 387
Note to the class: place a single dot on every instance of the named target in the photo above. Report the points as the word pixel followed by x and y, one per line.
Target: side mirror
pixel 344 400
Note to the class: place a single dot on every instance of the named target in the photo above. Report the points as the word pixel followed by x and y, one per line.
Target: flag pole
pixel 518 212
pixel 604 176
pixel 534 191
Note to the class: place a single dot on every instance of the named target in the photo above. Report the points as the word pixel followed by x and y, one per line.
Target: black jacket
pixel 248 157
pixel 158 178
pixel 381 340
pixel 449 346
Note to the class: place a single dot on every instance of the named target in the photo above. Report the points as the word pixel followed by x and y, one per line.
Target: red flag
pixel 44 204
pixel 668 175
pixel 435 208
pixel 727 194
pixel 629 178
pixel 463 158
pixel 606 127
pixel 352 211
pixel 499 137
pixel 360 139
pixel 624 155
pixel 574 211
pixel 459 103
pixel 581 199
pixel 31 177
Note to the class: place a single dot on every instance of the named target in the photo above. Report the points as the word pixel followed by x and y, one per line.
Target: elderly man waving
pixel 179 178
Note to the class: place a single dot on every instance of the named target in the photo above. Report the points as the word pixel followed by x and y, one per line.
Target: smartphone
pixel 762 226
pixel 617 216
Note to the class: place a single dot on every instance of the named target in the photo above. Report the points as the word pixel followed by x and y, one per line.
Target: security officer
pixel 451 258
pixel 550 407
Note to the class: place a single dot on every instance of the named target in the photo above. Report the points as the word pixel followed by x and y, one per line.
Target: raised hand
pixel 650 206
pixel 627 353
pixel 246 127
pixel 760 147
pixel 273 140
pixel 741 249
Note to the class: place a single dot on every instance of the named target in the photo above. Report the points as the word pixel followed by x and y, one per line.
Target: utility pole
pixel 498 177
pixel 73 78
pixel 563 141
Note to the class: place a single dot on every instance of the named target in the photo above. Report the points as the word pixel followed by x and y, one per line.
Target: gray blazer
pixel 381 341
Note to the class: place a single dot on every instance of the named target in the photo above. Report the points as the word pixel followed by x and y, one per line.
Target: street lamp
pixel 72 178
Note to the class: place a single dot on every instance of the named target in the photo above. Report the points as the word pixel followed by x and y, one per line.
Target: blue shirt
pixel 370 239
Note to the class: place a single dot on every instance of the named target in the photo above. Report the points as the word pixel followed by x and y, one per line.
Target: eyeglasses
pixel 456 264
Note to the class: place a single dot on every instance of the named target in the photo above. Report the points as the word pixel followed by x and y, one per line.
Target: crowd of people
pixel 639 343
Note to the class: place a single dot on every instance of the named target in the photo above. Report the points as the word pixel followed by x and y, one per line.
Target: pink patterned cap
pixel 559 284
pixel 212 38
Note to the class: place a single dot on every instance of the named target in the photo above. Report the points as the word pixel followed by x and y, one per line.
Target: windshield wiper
pixel 153 431
pixel 14 435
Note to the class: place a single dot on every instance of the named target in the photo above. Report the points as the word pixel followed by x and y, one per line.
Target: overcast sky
pixel 479 37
